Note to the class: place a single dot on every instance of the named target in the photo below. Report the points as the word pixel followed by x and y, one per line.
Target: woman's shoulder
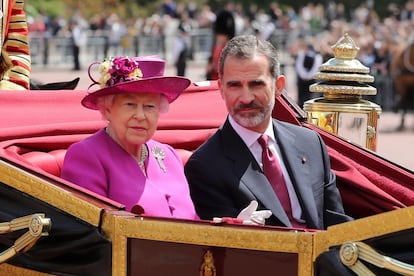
pixel 90 140
pixel 153 144
pixel 157 148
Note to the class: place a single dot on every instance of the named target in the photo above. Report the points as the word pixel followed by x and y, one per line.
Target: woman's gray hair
pixel 106 102
pixel 164 104
pixel 245 47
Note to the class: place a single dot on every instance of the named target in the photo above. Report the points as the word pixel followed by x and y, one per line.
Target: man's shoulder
pixel 210 146
pixel 213 141
pixel 297 129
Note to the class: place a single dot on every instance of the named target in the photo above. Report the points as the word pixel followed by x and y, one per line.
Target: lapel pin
pixel 159 154
pixel 303 160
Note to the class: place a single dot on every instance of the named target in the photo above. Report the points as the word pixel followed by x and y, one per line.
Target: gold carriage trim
pixel 343 77
pixel 351 254
pixel 343 89
pixel 38 226
pixel 339 65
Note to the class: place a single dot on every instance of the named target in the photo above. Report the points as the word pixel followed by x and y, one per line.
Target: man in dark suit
pixel 226 173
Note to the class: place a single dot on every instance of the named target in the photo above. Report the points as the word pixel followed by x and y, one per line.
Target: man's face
pixel 249 91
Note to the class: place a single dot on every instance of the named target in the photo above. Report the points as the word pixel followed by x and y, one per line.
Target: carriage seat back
pixel 50 162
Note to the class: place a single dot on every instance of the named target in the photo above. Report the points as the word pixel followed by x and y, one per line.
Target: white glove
pixel 249 215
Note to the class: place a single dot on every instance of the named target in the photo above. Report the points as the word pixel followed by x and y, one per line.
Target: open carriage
pixel 66 230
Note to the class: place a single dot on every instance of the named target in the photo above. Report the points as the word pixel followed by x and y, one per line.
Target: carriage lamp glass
pixel 352 125
pixel 342 111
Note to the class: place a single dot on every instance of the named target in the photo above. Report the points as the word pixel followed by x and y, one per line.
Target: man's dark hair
pixel 246 46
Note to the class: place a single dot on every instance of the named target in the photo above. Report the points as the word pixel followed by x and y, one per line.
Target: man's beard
pixel 255 118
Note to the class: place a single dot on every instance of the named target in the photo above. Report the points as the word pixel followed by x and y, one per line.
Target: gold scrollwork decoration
pixel 352 252
pixel 38 226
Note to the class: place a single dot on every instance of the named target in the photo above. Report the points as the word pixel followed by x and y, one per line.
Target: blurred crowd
pixel 315 25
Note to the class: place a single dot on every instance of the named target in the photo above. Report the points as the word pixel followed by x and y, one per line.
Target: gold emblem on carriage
pixel 207 267
pixel 159 154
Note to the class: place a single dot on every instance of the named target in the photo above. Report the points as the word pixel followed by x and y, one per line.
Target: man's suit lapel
pixel 249 173
pixel 295 156
pixel 258 185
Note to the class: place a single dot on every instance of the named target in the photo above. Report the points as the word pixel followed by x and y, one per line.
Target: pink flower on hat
pixel 119 70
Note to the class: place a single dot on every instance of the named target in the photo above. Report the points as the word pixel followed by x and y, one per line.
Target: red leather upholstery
pixel 50 162
pixel 184 154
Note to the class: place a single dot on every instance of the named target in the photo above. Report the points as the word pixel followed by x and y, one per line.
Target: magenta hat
pixel 134 75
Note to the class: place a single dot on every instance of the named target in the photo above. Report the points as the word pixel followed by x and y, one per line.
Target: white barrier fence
pixel 57 51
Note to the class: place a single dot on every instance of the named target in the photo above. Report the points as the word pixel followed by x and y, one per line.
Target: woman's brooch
pixel 159 154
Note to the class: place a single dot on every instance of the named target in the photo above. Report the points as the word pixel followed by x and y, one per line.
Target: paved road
pixel 396 146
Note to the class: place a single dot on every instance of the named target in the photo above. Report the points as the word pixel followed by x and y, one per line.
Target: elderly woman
pixel 121 161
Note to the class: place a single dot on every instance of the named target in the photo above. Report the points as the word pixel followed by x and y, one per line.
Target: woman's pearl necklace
pixel 143 156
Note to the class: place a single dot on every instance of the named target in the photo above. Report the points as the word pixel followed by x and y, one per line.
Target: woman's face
pixel 133 119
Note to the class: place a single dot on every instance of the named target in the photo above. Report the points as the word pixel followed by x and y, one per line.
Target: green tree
pixel 142 8
pixel 380 6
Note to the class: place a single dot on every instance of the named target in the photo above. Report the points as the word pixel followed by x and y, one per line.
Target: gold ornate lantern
pixel 342 111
